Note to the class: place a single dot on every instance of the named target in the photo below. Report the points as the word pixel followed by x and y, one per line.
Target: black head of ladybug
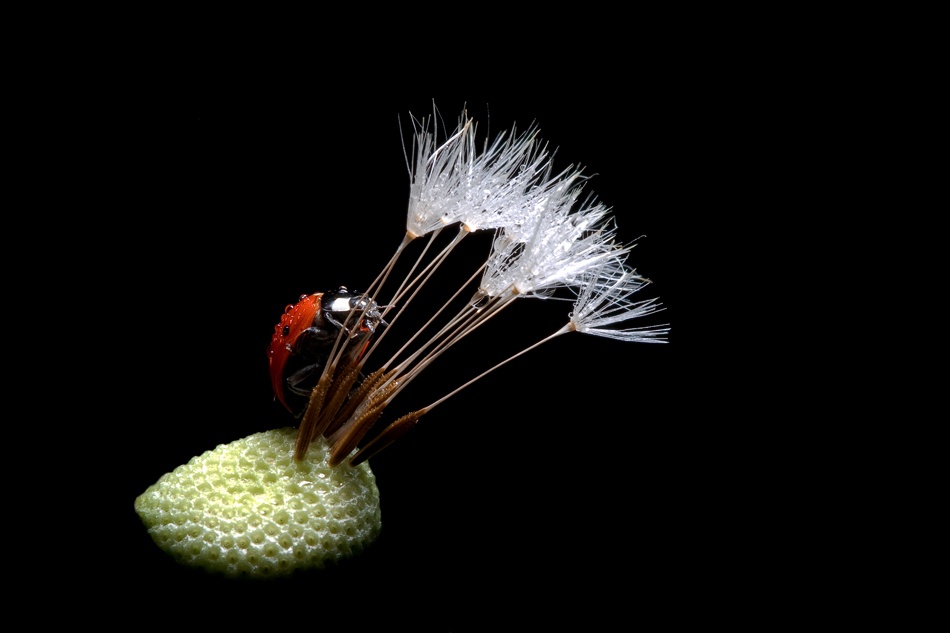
pixel 358 312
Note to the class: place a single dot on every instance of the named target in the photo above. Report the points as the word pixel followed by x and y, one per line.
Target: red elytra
pixel 295 319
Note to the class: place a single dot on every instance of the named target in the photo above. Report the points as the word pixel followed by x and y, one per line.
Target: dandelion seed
pixel 604 300
pixel 555 250
pixel 453 183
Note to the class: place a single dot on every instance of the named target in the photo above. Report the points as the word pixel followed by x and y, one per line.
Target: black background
pixel 179 196
pixel 568 483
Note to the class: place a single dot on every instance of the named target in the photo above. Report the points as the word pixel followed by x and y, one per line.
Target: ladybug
pixel 302 341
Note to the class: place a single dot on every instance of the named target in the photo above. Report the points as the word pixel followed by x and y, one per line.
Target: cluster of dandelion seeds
pixel 550 239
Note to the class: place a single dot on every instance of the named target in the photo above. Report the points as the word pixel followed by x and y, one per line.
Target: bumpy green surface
pixel 248 509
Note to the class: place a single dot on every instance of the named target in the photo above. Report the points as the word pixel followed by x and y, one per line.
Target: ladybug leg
pixel 304 366
pixel 339 325
pixel 366 327
pixel 301 382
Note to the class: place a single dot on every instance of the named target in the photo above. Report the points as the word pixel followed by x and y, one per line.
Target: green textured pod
pixel 248 509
